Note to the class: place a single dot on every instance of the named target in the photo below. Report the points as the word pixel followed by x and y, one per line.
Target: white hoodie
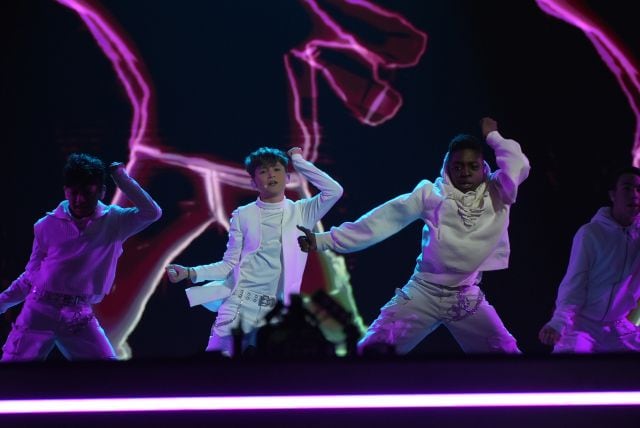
pixel 601 282
pixel 464 233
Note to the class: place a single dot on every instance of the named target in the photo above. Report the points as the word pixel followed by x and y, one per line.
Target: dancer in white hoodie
pixel 466 215
pixel 602 282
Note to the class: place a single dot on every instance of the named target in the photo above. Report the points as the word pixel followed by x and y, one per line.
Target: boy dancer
pixel 601 285
pixel 72 265
pixel 262 263
pixel 466 214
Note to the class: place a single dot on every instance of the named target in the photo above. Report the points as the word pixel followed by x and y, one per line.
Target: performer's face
pixel 626 199
pixel 270 181
pixel 83 199
pixel 465 169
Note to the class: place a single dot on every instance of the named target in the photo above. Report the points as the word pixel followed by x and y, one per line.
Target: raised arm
pixel 378 224
pixel 513 165
pixel 314 208
pixel 145 210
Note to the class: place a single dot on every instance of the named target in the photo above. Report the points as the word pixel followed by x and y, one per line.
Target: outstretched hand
pixel 177 273
pixel 548 335
pixel 308 241
pixel 488 124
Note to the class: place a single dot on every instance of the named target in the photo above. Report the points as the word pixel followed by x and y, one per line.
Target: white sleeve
pixel 220 270
pixel 20 288
pixel 572 292
pixel 145 210
pixel 315 207
pixel 513 166
pixel 378 224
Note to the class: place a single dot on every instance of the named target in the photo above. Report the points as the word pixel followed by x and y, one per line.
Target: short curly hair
pixel 83 169
pixel 264 156
pixel 466 141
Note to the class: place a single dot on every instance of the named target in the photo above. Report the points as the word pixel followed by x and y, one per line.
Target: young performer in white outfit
pixel 466 215
pixel 602 283
pixel 262 263
pixel 73 264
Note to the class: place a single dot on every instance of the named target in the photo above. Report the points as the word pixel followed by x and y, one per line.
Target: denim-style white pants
pixel 589 336
pixel 238 311
pixel 73 328
pixel 420 307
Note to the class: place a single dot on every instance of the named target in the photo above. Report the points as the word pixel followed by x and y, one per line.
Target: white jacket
pixel 244 240
pixel 463 233
pixel 602 279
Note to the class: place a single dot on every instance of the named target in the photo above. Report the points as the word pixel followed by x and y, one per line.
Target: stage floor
pixel 207 390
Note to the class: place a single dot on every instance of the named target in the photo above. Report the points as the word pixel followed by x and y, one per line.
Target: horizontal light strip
pixel 289 402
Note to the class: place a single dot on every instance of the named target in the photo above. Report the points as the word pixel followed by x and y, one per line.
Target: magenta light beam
pixel 625 71
pixel 322 402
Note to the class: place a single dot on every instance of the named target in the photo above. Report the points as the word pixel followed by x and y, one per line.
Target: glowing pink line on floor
pixel 616 60
pixel 321 402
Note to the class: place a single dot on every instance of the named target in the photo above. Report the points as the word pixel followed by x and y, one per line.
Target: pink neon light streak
pixel 142 265
pixel 321 402
pixel 369 97
pixel 124 63
pixel 612 53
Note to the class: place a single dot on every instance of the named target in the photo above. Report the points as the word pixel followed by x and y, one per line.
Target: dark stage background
pixel 220 90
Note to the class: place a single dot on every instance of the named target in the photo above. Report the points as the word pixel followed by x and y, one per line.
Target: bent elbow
pixel 526 168
pixel 158 213
pixel 155 213
pixel 331 195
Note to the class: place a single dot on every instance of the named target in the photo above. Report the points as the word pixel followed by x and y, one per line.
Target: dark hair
pixel 616 174
pixel 83 169
pixel 264 156
pixel 466 141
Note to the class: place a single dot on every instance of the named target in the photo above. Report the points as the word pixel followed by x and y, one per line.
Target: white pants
pixel 420 307
pixel 588 336
pixel 235 311
pixel 40 326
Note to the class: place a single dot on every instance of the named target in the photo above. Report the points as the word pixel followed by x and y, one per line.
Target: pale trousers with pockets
pixel 420 307
pixel 73 328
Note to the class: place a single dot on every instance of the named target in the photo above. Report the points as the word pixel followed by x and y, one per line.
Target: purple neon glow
pixel 290 402
pixel 612 53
